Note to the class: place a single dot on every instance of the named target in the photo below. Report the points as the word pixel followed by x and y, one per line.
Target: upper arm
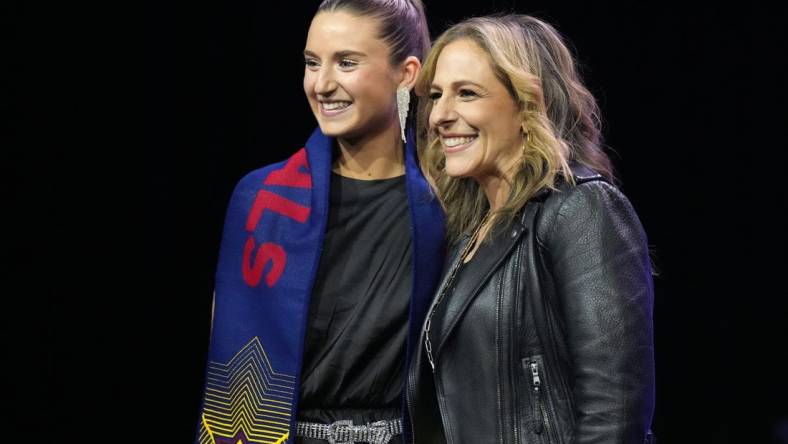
pixel 599 262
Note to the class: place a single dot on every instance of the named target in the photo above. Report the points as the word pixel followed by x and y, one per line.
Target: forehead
pixel 463 60
pixel 342 31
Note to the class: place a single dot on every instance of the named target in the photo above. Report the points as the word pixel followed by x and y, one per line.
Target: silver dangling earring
pixel 403 102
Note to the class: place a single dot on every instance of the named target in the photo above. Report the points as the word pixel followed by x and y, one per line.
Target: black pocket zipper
pixel 536 384
pixel 539 404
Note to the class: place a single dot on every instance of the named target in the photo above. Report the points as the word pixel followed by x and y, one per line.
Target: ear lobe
pixel 409 69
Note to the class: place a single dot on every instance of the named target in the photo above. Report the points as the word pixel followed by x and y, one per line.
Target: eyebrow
pixel 338 55
pixel 458 83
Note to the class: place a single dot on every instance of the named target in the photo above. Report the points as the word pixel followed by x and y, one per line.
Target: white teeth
pixel 331 106
pixel 454 141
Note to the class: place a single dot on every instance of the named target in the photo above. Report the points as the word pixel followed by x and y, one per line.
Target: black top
pixel 354 351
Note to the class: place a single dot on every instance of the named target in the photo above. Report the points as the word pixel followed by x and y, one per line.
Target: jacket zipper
pixel 513 377
pixel 540 407
pixel 499 354
pixel 537 388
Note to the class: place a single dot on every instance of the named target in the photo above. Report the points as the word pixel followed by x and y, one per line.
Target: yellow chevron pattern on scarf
pixel 246 401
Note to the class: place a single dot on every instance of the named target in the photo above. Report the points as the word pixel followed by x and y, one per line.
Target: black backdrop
pixel 120 183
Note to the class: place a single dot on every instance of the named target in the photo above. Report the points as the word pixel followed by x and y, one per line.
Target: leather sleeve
pixel 598 255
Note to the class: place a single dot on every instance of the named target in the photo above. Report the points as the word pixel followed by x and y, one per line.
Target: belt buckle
pixel 336 429
pixel 379 432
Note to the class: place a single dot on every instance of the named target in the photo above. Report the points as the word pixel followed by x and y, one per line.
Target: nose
pixel 442 113
pixel 325 83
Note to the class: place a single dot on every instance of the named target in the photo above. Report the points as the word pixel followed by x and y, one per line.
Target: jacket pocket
pixel 537 405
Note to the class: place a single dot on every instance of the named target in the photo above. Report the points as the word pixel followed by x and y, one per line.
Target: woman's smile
pixel 333 108
pixel 454 143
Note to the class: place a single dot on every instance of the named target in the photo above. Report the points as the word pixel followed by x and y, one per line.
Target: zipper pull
pixel 535 376
pixel 537 383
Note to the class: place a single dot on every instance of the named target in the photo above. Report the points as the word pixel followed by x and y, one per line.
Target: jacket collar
pixel 483 265
pixel 494 253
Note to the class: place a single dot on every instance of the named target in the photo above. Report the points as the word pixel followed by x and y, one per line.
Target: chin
pixel 334 130
pixel 344 128
pixel 458 171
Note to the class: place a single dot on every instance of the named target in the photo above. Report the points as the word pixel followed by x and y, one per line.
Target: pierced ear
pixel 410 69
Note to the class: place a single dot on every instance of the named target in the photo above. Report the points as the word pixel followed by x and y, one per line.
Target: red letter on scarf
pixel 267 252
pixel 274 202
pixel 290 175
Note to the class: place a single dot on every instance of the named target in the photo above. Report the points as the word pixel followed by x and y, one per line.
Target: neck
pixel 497 185
pixel 372 156
pixel 496 188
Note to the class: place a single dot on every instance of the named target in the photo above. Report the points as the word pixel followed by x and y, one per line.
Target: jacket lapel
pixel 483 265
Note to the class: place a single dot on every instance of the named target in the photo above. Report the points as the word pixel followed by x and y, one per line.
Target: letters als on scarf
pixel 289 176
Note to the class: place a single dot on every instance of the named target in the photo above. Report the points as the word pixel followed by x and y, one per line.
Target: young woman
pixel 329 259
pixel 541 330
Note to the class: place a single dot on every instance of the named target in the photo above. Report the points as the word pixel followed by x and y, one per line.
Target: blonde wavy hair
pixel 560 117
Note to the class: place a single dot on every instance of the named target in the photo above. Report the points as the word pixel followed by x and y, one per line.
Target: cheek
pixel 371 87
pixel 309 83
pixel 477 116
pixel 506 142
pixel 496 126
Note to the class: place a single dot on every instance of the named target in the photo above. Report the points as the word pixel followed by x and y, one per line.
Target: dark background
pixel 127 130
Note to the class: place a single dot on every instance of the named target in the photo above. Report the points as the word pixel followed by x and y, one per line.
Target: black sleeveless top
pixel 354 351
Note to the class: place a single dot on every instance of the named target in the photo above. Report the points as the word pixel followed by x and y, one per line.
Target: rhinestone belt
pixel 344 432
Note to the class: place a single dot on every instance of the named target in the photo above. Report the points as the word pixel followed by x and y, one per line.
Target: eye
pixel 347 64
pixel 467 93
pixel 435 95
pixel 311 63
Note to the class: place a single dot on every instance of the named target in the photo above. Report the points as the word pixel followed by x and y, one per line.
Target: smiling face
pixel 477 119
pixel 348 79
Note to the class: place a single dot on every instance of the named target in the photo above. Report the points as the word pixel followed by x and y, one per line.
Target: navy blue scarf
pixel 273 236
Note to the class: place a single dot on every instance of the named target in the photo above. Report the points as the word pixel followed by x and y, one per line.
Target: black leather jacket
pixel 554 343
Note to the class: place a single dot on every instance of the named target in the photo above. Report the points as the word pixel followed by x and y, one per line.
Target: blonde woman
pixel 541 329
